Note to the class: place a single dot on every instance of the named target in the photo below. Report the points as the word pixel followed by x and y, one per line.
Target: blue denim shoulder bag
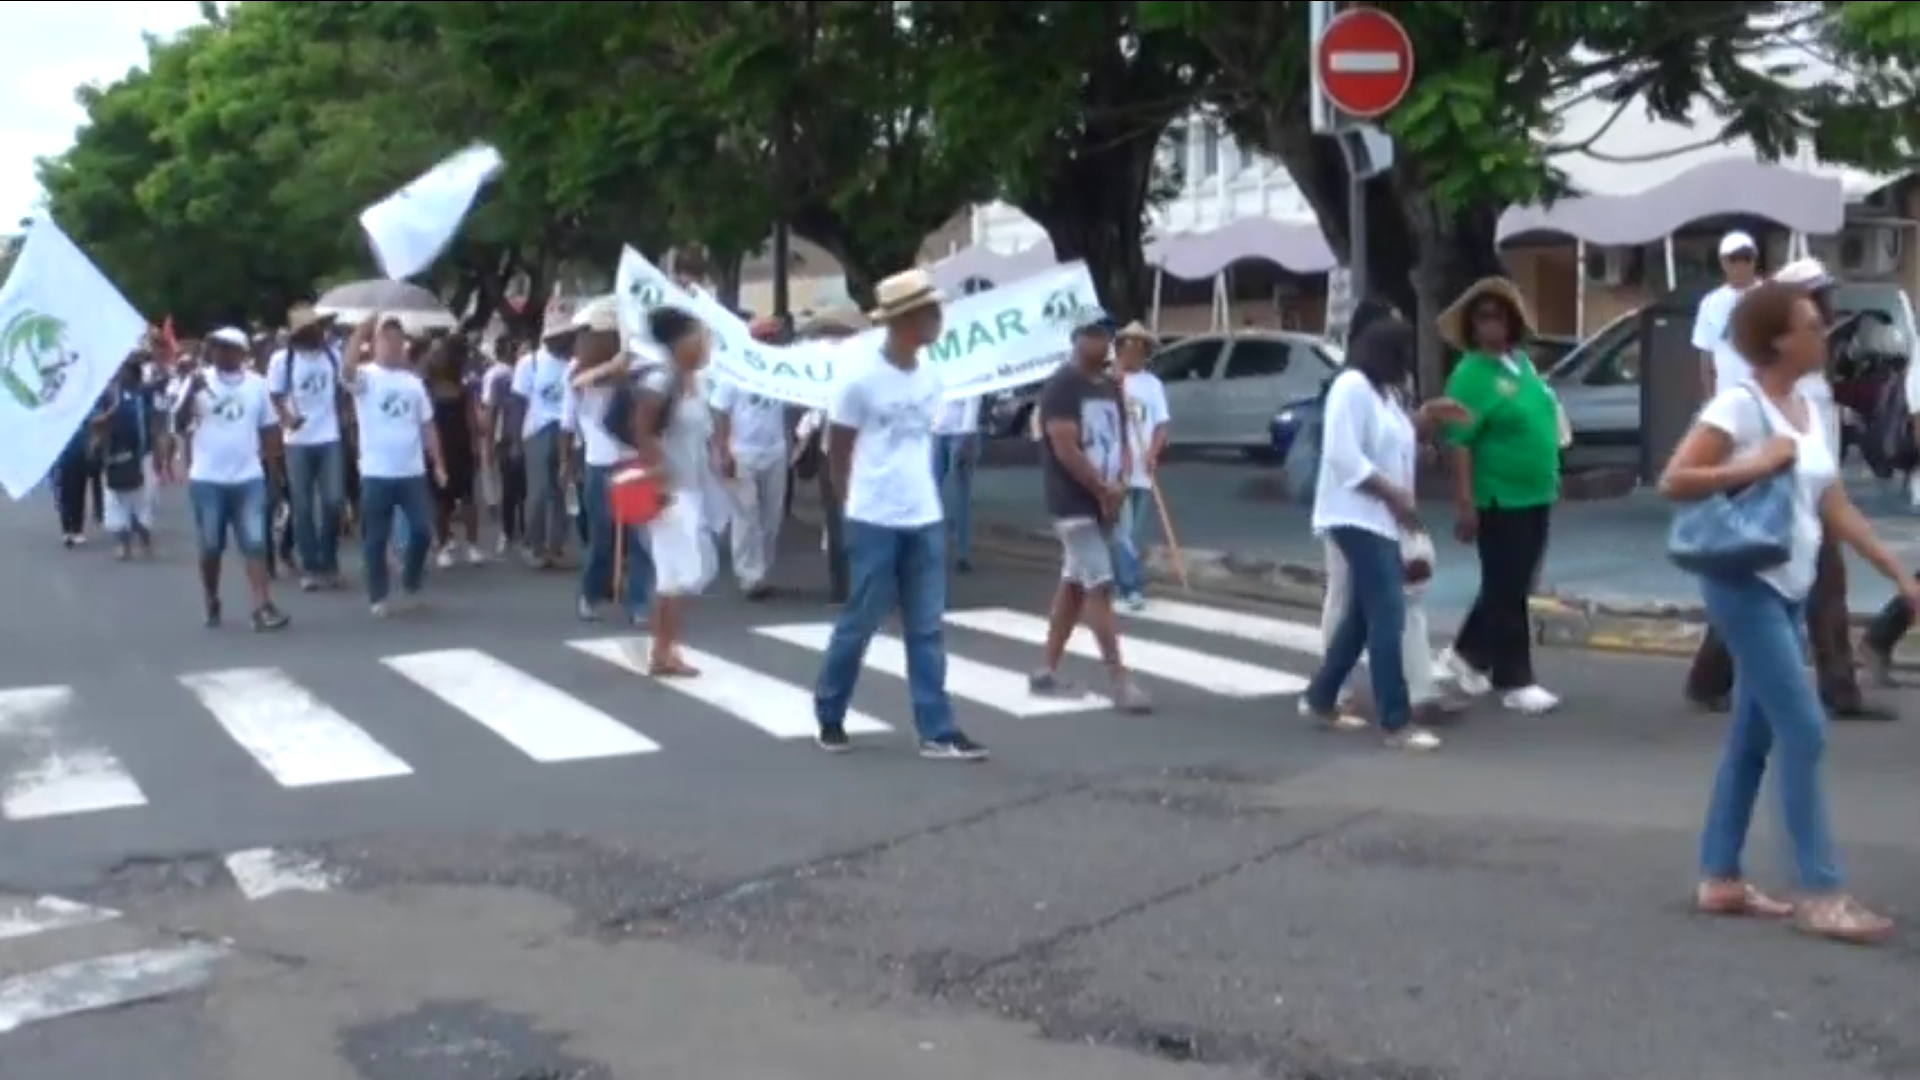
pixel 1736 533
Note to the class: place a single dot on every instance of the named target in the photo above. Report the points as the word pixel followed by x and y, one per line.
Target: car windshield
pixel 1577 358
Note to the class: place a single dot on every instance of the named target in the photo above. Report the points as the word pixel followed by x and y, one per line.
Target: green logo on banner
pixel 648 294
pixel 34 358
pixel 1063 308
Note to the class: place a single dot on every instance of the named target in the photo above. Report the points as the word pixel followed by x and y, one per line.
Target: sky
pixel 54 46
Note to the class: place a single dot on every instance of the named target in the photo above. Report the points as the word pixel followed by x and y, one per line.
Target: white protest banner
pixel 411 227
pixel 64 331
pixel 997 340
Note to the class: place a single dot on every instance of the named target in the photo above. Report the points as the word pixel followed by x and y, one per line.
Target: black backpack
pixel 1889 445
pixel 618 419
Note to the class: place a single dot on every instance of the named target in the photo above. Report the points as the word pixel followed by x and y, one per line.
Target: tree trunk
pixel 863 258
pixel 726 279
pixel 1419 256
pixel 1094 209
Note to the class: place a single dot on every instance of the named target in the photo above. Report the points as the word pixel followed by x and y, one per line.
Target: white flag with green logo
pixel 64 331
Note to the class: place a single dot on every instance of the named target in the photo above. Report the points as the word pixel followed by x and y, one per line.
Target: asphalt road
pixel 457 845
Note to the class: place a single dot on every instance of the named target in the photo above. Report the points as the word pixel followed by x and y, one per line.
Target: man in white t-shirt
pixel 956 450
pixel 1147 419
pixel 509 473
pixel 229 420
pixel 398 441
pixel 880 451
pixel 1720 365
pixel 600 365
pixel 750 433
pixel 304 379
pixel 539 389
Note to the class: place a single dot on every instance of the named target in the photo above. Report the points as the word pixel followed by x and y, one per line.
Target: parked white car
pixel 1224 390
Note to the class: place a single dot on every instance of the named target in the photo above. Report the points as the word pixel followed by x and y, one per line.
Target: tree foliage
pixel 224 177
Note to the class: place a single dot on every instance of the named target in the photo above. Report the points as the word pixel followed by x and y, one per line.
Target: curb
pixel 1563 622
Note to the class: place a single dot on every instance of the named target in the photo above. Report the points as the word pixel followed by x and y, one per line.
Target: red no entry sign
pixel 1365 61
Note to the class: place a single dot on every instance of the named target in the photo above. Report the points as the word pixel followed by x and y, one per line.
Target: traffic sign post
pixel 1362 67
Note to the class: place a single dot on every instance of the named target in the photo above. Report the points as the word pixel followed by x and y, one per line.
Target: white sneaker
pixel 1472 683
pixel 476 557
pixel 1532 700
pixel 445 560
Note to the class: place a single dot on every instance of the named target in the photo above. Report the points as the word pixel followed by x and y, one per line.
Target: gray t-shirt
pixel 686 442
pixel 1094 403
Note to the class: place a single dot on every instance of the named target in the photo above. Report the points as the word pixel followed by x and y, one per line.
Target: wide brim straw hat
pixel 907 291
pixel 302 316
pixel 1452 322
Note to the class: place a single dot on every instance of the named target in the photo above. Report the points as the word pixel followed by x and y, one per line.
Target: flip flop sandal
pixel 1842 920
pixel 1743 902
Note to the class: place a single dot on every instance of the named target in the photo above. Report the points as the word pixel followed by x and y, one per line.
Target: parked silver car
pixel 1223 390
pixel 1599 382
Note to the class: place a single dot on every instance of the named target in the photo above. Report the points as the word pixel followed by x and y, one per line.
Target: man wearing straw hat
pixel 1147 419
pixel 880 451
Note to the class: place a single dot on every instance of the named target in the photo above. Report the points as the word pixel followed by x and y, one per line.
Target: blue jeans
pixel 1374 622
pixel 237 508
pixel 904 568
pixel 1128 575
pixel 1774 704
pixel 382 499
pixel 316 489
pixel 954 457
pixel 596 576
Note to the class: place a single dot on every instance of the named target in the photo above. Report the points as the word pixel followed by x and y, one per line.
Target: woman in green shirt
pixel 1506 477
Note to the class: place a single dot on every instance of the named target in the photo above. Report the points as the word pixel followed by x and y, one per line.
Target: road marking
pixel 262 872
pixel 540 720
pixel 1363 62
pixel 104 982
pixel 1287 634
pixel 780 709
pixel 24 917
pixel 296 737
pixel 994 687
pixel 1214 674
pixel 54 775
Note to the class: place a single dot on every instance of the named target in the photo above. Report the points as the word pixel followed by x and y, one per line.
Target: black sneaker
pixel 954 747
pixel 267 617
pixel 213 613
pixel 833 740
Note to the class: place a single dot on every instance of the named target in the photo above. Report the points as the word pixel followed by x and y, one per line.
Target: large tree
pixel 1481 127
pixel 1066 103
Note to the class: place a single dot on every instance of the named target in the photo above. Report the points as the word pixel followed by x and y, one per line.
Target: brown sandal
pixel 672 667
pixel 1738 899
pixel 1840 918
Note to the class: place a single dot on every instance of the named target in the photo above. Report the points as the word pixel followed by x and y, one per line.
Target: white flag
pixel 411 227
pixel 64 332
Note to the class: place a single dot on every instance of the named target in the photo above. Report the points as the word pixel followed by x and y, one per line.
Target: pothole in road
pixel 462 1040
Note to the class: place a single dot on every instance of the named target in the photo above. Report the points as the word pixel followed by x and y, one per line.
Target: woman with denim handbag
pixel 1745 436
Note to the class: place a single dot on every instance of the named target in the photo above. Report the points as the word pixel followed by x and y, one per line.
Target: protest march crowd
pixel 654 420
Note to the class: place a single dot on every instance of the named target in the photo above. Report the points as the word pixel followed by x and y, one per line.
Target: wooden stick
pixel 1166 530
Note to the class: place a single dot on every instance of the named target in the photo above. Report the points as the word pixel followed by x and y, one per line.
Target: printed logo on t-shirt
pixel 313 382
pixel 1100 435
pixel 902 423
pixel 227 408
pixel 396 405
pixel 552 392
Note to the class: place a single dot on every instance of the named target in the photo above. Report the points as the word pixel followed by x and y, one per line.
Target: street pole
pixel 1354 153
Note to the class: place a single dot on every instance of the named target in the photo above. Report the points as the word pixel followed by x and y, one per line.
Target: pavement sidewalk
pixel 1607 582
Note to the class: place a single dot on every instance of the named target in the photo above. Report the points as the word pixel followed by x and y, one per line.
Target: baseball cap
pixel 1735 242
pixel 231 335
pixel 1091 320
pixel 599 316
pixel 1808 273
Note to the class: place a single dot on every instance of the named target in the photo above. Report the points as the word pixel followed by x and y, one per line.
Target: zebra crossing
pixel 57 759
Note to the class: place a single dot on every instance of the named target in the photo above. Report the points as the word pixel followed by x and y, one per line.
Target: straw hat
pixel 599 316
pixel 1453 321
pixel 302 316
pixel 1136 331
pixel 909 290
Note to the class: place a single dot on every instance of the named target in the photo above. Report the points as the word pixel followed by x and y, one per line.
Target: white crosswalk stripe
pixel 542 721
pixel 1214 674
pixel 780 709
pixel 994 687
pixel 56 761
pixel 296 737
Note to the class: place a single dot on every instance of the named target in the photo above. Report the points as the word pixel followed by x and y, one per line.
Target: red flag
pixel 168 339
